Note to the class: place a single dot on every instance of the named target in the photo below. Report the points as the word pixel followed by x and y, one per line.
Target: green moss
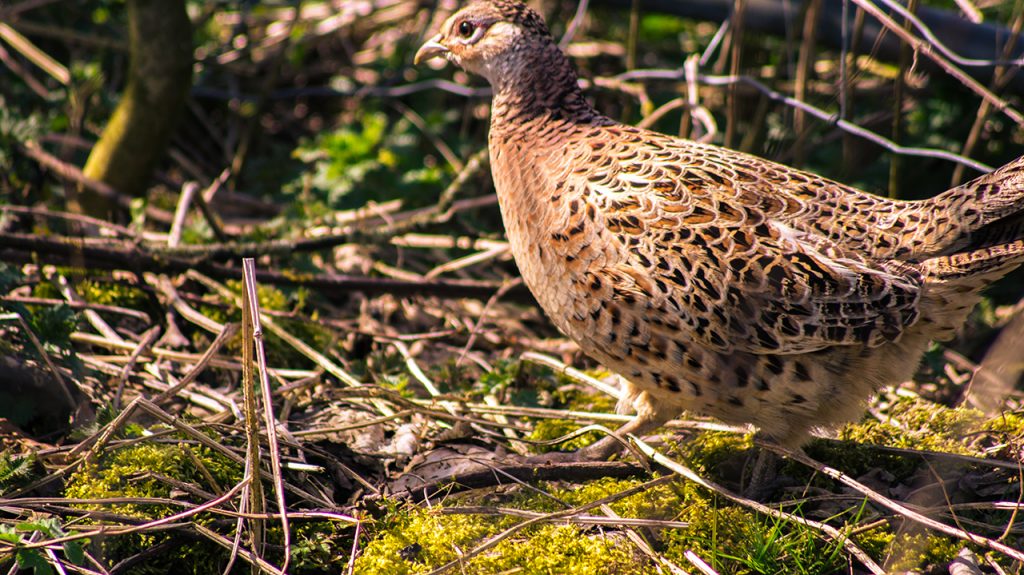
pixel 655 27
pixel 551 429
pixel 712 527
pixel 113 293
pixel 875 542
pixel 910 552
pixel 1008 423
pixel 916 423
pixel 658 502
pixel 564 549
pixel 710 449
pixel 129 472
pixel 913 423
pixel 734 540
pixel 416 540
pixel 133 471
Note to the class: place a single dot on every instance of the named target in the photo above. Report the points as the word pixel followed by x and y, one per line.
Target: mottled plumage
pixel 715 281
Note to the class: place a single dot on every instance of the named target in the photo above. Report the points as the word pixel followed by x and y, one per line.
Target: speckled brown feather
pixel 712 280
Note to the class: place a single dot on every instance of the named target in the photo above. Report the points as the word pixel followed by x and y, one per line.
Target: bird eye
pixel 466 28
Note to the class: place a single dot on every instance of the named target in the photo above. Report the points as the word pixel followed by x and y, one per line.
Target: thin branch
pixel 828 117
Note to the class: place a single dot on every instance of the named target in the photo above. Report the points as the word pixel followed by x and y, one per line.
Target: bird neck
pixel 539 83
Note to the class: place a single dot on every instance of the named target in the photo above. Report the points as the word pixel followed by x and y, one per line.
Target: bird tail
pixel 954 283
pixel 984 213
pixel 976 268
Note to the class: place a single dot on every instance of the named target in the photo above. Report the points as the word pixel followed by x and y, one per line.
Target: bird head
pixel 484 37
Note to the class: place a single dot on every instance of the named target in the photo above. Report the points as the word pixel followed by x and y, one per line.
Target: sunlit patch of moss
pixel 1010 424
pixel 906 553
pixel 113 293
pixel 732 538
pixel 875 542
pixel 883 433
pixel 914 424
pixel 779 546
pixel 662 501
pixel 656 27
pixel 564 549
pixel 269 296
pixel 551 429
pixel 411 540
pixel 707 450
pixel 918 424
pixel 397 382
pixel 416 540
pixel 134 472
pixel 46 290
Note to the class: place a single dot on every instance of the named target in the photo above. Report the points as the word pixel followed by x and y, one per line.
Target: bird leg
pixel 761 473
pixel 648 418
pixel 609 446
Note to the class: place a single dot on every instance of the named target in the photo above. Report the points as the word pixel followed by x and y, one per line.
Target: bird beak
pixel 430 49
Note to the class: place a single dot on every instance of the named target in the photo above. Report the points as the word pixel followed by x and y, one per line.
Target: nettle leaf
pixel 27 558
pixel 49 526
pixel 74 552
pixel 9 535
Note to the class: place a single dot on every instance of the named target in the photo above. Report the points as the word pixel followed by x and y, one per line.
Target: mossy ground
pixel 405 538
pixel 733 539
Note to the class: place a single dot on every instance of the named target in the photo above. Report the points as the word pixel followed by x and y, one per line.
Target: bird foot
pixel 761 477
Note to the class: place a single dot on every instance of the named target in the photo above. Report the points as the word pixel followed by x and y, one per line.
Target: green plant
pixel 21 534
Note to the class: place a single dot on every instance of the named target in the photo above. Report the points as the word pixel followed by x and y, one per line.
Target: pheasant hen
pixel 712 280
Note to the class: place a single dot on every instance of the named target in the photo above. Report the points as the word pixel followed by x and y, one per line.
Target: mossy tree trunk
pixel 159 79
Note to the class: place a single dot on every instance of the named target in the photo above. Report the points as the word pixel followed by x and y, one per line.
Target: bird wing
pixel 738 276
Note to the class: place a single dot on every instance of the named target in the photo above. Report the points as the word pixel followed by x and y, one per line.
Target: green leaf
pixel 9 534
pixel 49 526
pixel 32 558
pixel 32 526
pixel 74 552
